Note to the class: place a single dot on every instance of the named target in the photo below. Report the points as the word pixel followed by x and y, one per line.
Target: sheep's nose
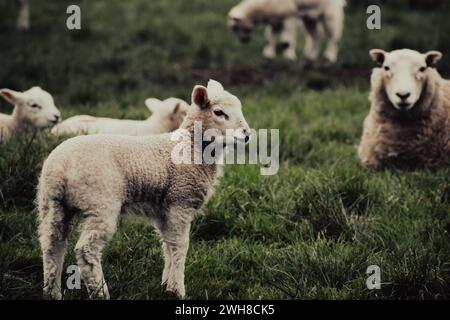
pixel 403 95
pixel 247 134
pixel 56 118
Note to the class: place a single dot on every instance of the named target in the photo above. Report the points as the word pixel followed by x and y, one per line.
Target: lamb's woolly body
pixel 104 175
pixel 419 138
pixel 161 121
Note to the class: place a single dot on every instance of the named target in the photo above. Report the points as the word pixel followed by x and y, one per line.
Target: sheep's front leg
pixel 334 25
pixel 312 41
pixel 23 20
pixel 288 38
pixel 167 263
pixel 176 237
pixel 270 51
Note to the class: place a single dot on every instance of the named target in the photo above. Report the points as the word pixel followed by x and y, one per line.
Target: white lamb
pixel 101 176
pixel 167 116
pixel 280 18
pixel 33 109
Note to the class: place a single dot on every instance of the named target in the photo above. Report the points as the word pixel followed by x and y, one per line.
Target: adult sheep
pixel 101 176
pixel 281 18
pixel 409 121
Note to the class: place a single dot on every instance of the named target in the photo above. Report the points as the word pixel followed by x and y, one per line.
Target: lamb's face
pixel 224 110
pixel 405 74
pixel 171 111
pixel 35 106
pixel 241 24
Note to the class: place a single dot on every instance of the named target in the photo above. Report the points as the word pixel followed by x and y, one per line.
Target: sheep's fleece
pixel 409 121
pixel 103 175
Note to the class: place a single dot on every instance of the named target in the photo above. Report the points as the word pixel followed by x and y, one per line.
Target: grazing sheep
pixel 101 176
pixel 409 121
pixel 281 19
pixel 33 109
pixel 167 116
pixel 23 19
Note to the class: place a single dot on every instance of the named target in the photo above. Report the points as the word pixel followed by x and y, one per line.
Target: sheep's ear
pixel 177 108
pixel 13 97
pixel 432 57
pixel 153 104
pixel 200 97
pixel 215 86
pixel 378 55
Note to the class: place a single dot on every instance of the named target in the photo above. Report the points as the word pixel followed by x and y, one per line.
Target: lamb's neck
pixel 154 125
pixel 18 125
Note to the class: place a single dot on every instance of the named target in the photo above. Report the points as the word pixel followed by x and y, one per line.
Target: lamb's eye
pixel 35 106
pixel 220 113
pixel 422 69
pixel 387 68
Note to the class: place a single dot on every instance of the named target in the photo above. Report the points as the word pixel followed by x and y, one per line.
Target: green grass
pixel 308 232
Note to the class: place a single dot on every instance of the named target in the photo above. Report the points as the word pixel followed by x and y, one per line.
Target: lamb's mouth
pixel 404 105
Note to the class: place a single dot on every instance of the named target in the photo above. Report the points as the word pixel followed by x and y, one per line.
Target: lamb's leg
pixel 333 25
pixel 176 236
pixel 288 38
pixel 312 41
pixel 269 51
pixel 167 263
pixel 53 232
pixel 23 20
pixel 96 230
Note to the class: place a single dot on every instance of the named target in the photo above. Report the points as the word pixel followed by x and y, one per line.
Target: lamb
pixel 101 176
pixel 408 125
pixel 167 116
pixel 281 19
pixel 34 109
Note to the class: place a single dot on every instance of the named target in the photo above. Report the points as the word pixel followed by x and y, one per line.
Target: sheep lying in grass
pixel 409 121
pixel 33 109
pixel 167 116
pixel 102 175
pixel 281 18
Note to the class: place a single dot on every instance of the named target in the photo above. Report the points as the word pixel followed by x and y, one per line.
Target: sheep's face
pixel 34 106
pixel 171 111
pixel 241 25
pixel 224 111
pixel 405 73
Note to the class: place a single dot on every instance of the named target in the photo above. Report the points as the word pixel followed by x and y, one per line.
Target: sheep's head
pixel 171 111
pixel 241 24
pixel 35 106
pixel 222 111
pixel 405 73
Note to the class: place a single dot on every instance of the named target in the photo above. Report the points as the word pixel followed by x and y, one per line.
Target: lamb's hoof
pixel 307 64
pixel 327 63
pixel 50 294
pixel 179 293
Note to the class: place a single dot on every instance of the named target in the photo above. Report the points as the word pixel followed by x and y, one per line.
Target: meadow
pixel 309 232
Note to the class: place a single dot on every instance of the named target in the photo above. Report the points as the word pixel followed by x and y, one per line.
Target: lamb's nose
pixel 247 134
pixel 403 95
pixel 56 118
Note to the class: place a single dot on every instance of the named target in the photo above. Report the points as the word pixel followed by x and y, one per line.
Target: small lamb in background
pixel 33 109
pixel 166 116
pixel 281 19
pixel 409 120
pixel 101 176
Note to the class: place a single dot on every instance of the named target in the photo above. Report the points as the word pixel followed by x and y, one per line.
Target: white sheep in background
pixel 103 175
pixel 23 19
pixel 280 18
pixel 167 116
pixel 33 109
pixel 409 120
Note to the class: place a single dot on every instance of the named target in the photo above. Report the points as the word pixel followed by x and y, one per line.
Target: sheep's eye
pixel 422 69
pixel 220 113
pixel 387 68
pixel 35 106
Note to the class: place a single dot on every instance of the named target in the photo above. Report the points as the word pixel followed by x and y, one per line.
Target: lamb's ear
pixel 200 97
pixel 378 55
pixel 13 97
pixel 432 57
pixel 177 108
pixel 153 104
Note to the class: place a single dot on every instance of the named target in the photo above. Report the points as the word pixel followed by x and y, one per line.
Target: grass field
pixel 309 232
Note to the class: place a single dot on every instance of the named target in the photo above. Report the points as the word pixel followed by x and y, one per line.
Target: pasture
pixel 308 232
